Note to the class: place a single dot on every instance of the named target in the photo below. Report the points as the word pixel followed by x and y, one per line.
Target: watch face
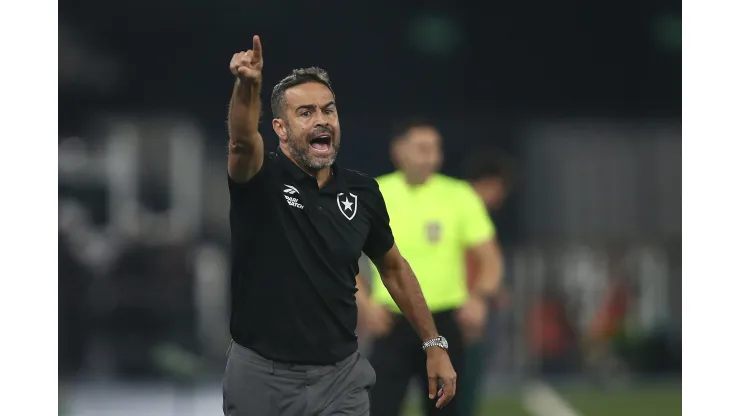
pixel 444 343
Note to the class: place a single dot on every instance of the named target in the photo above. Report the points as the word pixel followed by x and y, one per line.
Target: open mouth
pixel 321 143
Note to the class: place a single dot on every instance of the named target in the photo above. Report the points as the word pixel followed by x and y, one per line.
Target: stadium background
pixel 584 95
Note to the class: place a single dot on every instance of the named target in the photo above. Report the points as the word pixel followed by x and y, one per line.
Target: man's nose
pixel 322 119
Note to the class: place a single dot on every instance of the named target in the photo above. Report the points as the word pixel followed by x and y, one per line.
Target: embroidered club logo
pixel 434 231
pixel 347 204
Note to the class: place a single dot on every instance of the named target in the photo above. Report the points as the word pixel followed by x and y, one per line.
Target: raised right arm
pixel 246 148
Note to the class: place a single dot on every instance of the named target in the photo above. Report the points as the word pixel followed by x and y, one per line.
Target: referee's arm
pixel 479 236
pixel 362 295
pixel 490 262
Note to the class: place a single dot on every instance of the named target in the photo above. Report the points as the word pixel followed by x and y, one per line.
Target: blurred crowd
pixel 133 297
pixel 121 298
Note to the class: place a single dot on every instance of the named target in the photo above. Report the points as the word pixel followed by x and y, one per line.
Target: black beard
pixel 304 159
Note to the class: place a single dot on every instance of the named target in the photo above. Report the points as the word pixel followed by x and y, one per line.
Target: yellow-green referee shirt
pixel 433 225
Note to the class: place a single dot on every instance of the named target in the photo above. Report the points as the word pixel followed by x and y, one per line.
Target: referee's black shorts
pixel 398 357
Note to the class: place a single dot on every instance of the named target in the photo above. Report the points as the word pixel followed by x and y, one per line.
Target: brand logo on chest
pixel 292 201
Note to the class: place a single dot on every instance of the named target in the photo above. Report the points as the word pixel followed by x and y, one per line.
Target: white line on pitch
pixel 542 400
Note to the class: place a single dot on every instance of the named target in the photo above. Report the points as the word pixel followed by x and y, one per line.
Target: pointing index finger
pixel 257 47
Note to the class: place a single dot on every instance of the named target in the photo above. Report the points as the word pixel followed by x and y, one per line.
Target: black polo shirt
pixel 295 251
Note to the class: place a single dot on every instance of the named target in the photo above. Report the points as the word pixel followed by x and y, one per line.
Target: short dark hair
pixel 297 77
pixel 401 129
pixel 490 163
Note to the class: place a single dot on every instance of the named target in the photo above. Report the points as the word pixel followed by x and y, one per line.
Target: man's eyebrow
pixel 313 106
pixel 305 107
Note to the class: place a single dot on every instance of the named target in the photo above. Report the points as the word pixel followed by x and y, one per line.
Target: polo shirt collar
pixel 299 174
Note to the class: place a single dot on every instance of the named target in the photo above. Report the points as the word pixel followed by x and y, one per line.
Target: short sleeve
pixel 240 191
pixel 477 226
pixel 380 238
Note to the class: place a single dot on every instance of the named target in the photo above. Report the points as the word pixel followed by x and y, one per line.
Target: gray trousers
pixel 256 386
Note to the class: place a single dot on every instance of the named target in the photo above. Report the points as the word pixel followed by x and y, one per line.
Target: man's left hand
pixel 439 369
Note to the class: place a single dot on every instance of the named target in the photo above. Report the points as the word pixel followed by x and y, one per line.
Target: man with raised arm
pixel 299 224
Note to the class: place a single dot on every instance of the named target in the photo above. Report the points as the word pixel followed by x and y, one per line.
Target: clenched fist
pixel 248 65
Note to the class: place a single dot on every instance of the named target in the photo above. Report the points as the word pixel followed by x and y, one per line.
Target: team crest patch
pixel 434 231
pixel 347 204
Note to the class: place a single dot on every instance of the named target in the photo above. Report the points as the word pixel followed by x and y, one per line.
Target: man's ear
pixel 280 129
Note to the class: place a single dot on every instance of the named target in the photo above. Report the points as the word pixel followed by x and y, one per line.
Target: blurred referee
pixel 436 220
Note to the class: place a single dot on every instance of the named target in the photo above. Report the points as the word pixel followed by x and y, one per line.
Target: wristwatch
pixel 438 341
